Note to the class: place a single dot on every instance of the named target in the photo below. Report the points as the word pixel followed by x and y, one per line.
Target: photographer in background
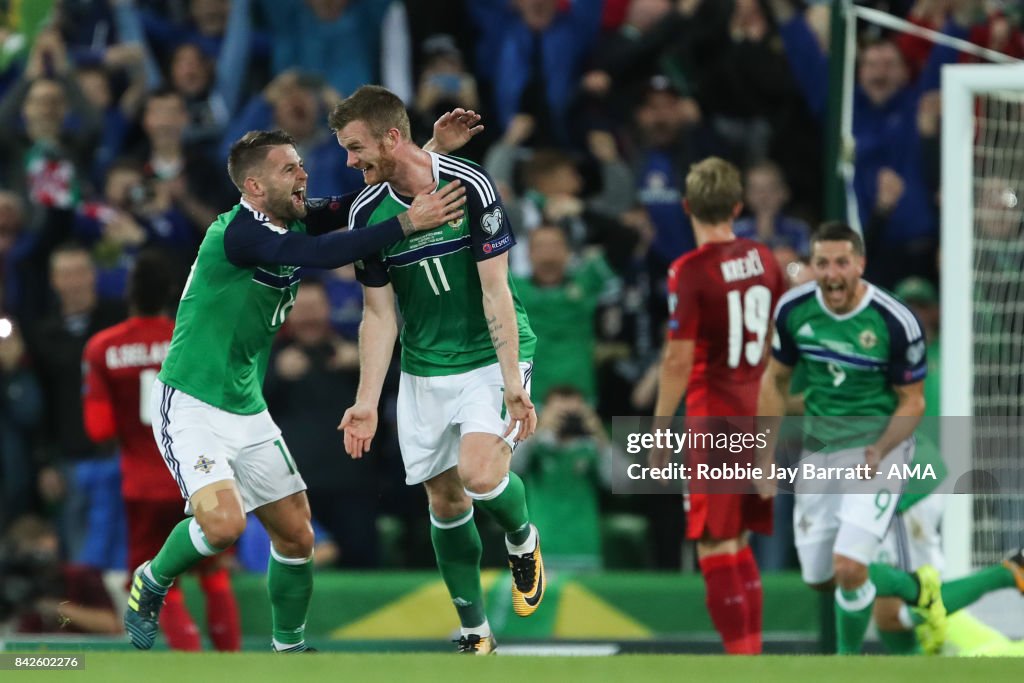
pixel 563 466
pixel 445 83
pixel 127 219
pixel 40 594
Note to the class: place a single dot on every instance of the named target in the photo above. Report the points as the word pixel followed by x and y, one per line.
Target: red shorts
pixel 727 515
pixel 149 524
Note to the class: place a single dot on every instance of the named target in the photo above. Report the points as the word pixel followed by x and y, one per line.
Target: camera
pixel 572 426
pixel 25 577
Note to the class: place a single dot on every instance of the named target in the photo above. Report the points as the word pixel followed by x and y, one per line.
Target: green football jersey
pixel 227 319
pixel 434 274
pixel 849 362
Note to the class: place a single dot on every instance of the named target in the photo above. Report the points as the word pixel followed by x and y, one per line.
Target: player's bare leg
pixel 733 592
pixel 458 549
pixel 290 568
pixel 484 468
pixel 218 521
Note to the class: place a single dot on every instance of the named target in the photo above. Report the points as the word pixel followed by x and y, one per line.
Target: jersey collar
pixel 435 169
pixel 869 292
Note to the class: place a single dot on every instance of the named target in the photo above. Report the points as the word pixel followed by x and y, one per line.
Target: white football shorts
pixel 434 413
pixel 202 445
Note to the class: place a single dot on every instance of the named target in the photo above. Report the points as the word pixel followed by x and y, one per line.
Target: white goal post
pixel 967 89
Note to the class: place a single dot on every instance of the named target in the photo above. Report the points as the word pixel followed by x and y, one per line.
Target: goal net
pixel 982 328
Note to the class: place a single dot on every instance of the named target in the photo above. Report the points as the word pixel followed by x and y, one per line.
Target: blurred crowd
pixel 115 118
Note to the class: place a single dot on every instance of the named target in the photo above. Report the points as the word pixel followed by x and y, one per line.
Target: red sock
pixel 751 578
pixel 726 601
pixel 177 624
pixel 221 611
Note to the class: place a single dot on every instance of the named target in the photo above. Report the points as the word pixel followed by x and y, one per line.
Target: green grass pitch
pixel 160 667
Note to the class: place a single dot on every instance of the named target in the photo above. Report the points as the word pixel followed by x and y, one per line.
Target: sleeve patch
pixel 491 223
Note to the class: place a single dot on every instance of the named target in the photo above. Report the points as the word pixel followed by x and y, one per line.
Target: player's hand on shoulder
pixel 359 424
pixel 521 412
pixel 431 210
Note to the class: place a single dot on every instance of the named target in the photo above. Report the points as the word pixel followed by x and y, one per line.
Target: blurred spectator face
pixel 191 71
pixel 44 108
pixel 553 174
pixel 73 278
pixel 549 255
pixel 210 16
pixel 327 10
pixel 165 118
pixel 96 87
pixel 766 191
pixel 882 72
pixel 663 115
pixel 310 319
pixel 643 14
pixel 537 14
pixel 11 217
pixel 122 187
pixel 298 111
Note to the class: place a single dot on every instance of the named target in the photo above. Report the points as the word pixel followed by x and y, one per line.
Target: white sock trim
pixel 280 647
pixel 492 494
pixel 905 617
pixel 278 557
pixel 199 542
pixel 451 523
pixel 527 547
pixel 865 595
pixel 483 630
pixel 147 571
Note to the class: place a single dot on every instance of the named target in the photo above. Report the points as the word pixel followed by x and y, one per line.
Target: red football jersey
pixel 722 296
pixel 120 364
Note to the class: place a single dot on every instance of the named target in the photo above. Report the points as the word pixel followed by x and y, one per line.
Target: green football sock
pixel 509 509
pixel 962 592
pixel 458 548
pixel 890 581
pixel 184 548
pixel 290 585
pixel 900 642
pixel 853 612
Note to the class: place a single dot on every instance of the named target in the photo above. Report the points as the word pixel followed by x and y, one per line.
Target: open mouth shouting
pixel 299 197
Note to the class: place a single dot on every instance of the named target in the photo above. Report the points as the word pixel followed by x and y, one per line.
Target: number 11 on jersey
pixel 425 265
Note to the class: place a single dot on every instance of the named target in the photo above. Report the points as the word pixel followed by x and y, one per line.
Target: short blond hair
pixel 713 189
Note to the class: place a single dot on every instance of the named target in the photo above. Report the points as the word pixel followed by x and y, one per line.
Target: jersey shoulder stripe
pixel 475 177
pixel 795 296
pixel 363 201
pixel 888 304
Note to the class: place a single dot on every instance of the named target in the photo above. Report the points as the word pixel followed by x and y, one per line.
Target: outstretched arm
pixel 377 335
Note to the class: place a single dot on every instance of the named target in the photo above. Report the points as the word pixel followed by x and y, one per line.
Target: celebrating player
pixel 120 365
pixel 464 395
pixel 863 353
pixel 720 297
pixel 213 430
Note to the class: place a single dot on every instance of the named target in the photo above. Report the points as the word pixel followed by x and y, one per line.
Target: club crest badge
pixel 204 464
